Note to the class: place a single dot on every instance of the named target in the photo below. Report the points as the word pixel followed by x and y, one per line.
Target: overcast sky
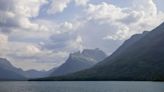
pixel 40 34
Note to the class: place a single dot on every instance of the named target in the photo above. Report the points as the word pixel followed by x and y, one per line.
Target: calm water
pixel 81 87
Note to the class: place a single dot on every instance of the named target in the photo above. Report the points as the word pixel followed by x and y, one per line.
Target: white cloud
pixel 71 25
pixel 31 49
pixel 67 41
pixel 30 56
pixel 28 8
pixel 45 40
pixel 3 44
pixel 67 25
pixel 122 33
pixel 81 2
pixel 77 44
pixel 105 12
pixel 143 15
pixel 58 6
pixel 147 6
pixel 3 39
pixel 16 13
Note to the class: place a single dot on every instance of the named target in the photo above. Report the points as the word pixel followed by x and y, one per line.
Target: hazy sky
pixel 40 34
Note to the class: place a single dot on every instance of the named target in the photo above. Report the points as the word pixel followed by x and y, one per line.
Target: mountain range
pixel 80 60
pixel 8 72
pixel 77 61
pixel 31 74
pixel 138 58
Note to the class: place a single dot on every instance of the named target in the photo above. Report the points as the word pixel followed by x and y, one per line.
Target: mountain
pixel 80 60
pixel 9 72
pixel 31 74
pixel 139 58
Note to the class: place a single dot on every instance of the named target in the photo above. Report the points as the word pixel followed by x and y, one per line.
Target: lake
pixel 85 86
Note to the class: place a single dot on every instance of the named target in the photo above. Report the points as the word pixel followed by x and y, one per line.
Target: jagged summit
pixel 80 60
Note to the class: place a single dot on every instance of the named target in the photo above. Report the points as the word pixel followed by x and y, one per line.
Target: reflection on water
pixel 81 86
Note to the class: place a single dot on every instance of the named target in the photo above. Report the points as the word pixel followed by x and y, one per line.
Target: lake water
pixel 81 86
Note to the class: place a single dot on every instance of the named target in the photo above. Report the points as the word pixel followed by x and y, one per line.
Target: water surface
pixel 82 86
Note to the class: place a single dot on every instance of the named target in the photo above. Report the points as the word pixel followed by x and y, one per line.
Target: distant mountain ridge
pixel 140 58
pixel 9 72
pixel 30 74
pixel 77 61
pixel 80 60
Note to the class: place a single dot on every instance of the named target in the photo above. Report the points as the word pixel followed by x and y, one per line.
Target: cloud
pixel 147 6
pixel 42 37
pixel 3 44
pixel 31 49
pixel 143 14
pixel 81 2
pixel 17 13
pixel 3 39
pixel 67 41
pixel 41 61
pixel 29 56
pixel 58 6
pixel 131 17
pixel 30 36
pixel 104 11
